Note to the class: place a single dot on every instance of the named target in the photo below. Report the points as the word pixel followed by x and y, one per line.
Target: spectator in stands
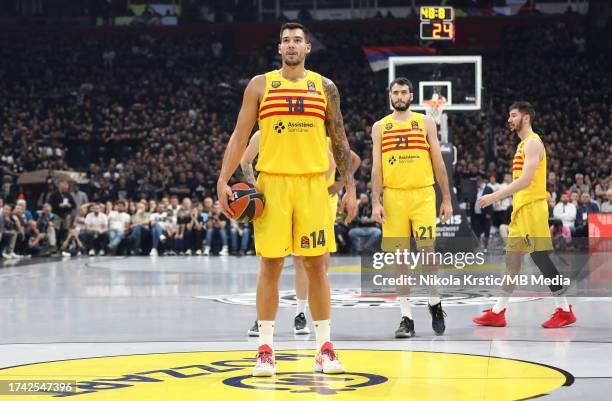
pixel 239 232
pixel 602 187
pixel 552 185
pixel 566 212
pixel 579 185
pixel 119 224
pixel 21 244
pixel 170 232
pixel 79 221
pixel 36 240
pixel 46 225
pixel 96 231
pixel 208 205
pixel 23 204
pixel 179 237
pixel 174 206
pixel 158 221
pixel 575 199
pixel 63 204
pixel 72 245
pixel 46 194
pixel 79 197
pixel 216 224
pixel 194 232
pixel 9 233
pixel 586 207
pixel 365 234
pixel 481 218
pixel 606 207
pixel 139 227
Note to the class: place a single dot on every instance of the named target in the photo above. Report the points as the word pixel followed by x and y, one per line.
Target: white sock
pixel 434 300
pixel 561 302
pixel 500 305
pixel 302 304
pixel 322 329
pixel 266 332
pixel 405 307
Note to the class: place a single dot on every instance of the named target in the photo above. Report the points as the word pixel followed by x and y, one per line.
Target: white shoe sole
pixel 251 333
pixel 330 371
pixel 263 372
pixel 305 330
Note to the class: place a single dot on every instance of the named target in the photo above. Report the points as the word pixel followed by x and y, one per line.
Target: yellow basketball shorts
pixel 528 230
pixel 409 211
pixel 295 219
pixel 333 204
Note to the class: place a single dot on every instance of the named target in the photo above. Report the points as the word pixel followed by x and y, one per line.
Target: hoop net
pixel 434 107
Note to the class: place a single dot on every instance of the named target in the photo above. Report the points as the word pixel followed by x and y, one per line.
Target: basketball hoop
pixel 434 107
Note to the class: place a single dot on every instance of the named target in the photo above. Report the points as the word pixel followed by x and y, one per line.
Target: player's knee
pixel 315 266
pixel 270 268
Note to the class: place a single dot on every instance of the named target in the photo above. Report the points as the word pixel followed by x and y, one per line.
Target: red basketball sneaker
pixel 327 361
pixel 265 362
pixel 560 319
pixel 488 318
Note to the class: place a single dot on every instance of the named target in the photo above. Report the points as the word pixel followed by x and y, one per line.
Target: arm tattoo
pixel 249 174
pixel 335 129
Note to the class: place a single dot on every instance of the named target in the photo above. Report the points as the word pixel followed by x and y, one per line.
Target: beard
pixel 518 127
pixel 398 106
pixel 291 63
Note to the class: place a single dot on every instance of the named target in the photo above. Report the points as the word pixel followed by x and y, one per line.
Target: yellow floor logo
pixel 225 375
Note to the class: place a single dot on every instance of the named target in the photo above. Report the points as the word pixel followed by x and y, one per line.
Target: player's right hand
pixel 349 204
pixel 224 192
pixel 378 213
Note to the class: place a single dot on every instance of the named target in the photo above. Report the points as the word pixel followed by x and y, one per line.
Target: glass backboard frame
pixel 451 106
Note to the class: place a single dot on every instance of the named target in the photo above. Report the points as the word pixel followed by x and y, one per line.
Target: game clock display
pixel 437 23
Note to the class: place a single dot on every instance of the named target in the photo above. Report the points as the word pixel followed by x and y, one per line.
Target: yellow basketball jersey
pixel 406 163
pixel 292 123
pixel 537 189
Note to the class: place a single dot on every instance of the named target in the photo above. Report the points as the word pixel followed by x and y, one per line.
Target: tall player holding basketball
pixel 528 231
pixel 301 280
pixel 295 109
pixel 406 155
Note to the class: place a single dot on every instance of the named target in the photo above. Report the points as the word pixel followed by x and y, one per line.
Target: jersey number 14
pixel 296 105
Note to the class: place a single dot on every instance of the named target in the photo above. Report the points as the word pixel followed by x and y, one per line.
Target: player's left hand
pixel 224 192
pixel 349 204
pixel 335 187
pixel 485 200
pixel 446 210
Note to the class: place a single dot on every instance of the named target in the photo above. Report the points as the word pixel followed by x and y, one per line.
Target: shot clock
pixel 437 23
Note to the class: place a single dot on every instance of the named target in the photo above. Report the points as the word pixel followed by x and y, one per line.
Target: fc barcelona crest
pixel 311 86
pixel 389 126
pixel 276 84
pixel 415 125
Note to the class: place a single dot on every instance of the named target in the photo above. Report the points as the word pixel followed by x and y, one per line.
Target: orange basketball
pixel 247 203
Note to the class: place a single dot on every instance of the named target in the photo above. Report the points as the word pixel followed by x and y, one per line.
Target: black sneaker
pixel 437 318
pixel 405 329
pixel 254 331
pixel 300 326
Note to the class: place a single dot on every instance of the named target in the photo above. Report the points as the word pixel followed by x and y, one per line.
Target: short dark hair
pixel 295 25
pixel 524 108
pixel 403 81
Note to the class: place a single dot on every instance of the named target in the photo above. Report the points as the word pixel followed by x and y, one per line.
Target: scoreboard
pixel 437 23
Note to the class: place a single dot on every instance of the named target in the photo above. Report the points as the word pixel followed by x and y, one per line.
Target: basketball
pixel 247 203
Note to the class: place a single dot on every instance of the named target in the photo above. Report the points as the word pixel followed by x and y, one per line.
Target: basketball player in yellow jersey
pixel 301 280
pixel 528 231
pixel 296 110
pixel 406 155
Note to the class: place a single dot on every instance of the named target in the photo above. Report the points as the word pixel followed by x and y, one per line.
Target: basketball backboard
pixel 456 79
